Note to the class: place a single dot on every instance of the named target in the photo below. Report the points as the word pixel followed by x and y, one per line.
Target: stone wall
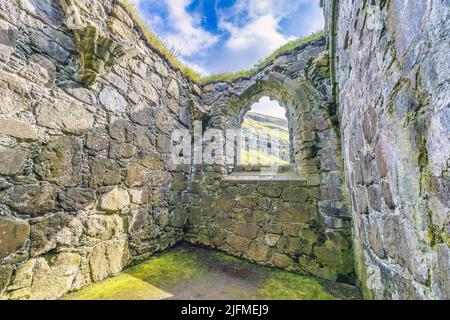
pixel 394 108
pixel 273 221
pixel 303 227
pixel 86 187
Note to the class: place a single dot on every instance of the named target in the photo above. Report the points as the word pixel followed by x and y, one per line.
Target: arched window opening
pixel 265 134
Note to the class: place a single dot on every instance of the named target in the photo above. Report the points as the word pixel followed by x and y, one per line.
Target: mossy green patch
pixel 169 268
pixel 194 273
pixel 146 281
pixel 121 287
pixel 282 285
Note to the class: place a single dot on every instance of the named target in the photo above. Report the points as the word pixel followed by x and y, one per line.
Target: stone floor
pixel 192 273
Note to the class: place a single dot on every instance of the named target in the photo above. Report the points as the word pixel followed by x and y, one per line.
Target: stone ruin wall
pixel 86 187
pixel 301 222
pixel 392 75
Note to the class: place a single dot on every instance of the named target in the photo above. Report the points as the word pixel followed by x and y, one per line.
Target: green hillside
pixel 263 138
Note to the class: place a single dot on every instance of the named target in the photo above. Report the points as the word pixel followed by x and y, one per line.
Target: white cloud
pixel 254 30
pixel 249 29
pixel 269 107
pixel 187 36
pixel 262 33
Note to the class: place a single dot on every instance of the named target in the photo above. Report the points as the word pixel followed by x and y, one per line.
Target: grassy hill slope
pixel 264 138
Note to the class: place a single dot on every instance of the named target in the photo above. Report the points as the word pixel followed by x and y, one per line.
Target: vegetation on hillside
pixel 171 55
pixel 255 124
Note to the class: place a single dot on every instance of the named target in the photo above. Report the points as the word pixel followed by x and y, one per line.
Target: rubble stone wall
pixel 301 224
pixel 86 187
pixel 394 111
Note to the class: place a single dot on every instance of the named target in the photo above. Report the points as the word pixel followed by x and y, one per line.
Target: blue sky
pixel 214 36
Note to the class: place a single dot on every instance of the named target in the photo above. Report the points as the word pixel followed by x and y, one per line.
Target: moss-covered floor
pixel 193 273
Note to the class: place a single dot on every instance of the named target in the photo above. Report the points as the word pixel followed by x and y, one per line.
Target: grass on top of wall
pixel 171 55
pixel 158 43
pixel 291 45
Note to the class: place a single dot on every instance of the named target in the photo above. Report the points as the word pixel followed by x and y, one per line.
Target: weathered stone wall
pixel 301 225
pixel 86 187
pixel 394 109
pixel 273 221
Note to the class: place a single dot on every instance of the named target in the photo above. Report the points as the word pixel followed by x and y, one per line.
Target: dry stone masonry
pixel 391 82
pixel 88 186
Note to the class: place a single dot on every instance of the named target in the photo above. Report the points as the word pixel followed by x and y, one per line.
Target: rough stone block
pixel 248 202
pixel 12 160
pixel 33 200
pixel 108 258
pixel 115 200
pixel 299 195
pixel 282 261
pixel 121 130
pixel 269 191
pixel 258 252
pixel 246 230
pixel 103 227
pixel 68 117
pixel 13 236
pixel 15 94
pixel 60 161
pixel 18 129
pixel 136 175
pixel 237 243
pixel 104 172
pixel 375 197
pixel 77 199
pixel 53 231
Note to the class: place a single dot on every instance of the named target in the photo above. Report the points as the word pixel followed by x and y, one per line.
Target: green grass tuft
pixel 291 45
pixel 281 285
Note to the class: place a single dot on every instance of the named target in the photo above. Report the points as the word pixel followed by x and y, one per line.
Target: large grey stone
pixel 112 100
pixel 108 258
pixel 102 227
pixel 114 200
pixel 33 200
pixel 8 38
pixel 15 94
pixel 173 89
pixel 121 130
pixel 104 172
pixel 40 70
pixel 142 115
pixel 57 230
pixel 53 275
pixel 75 199
pixel 68 117
pixel 18 129
pixel 49 46
pixel 12 160
pixel 60 161
pixel 13 236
